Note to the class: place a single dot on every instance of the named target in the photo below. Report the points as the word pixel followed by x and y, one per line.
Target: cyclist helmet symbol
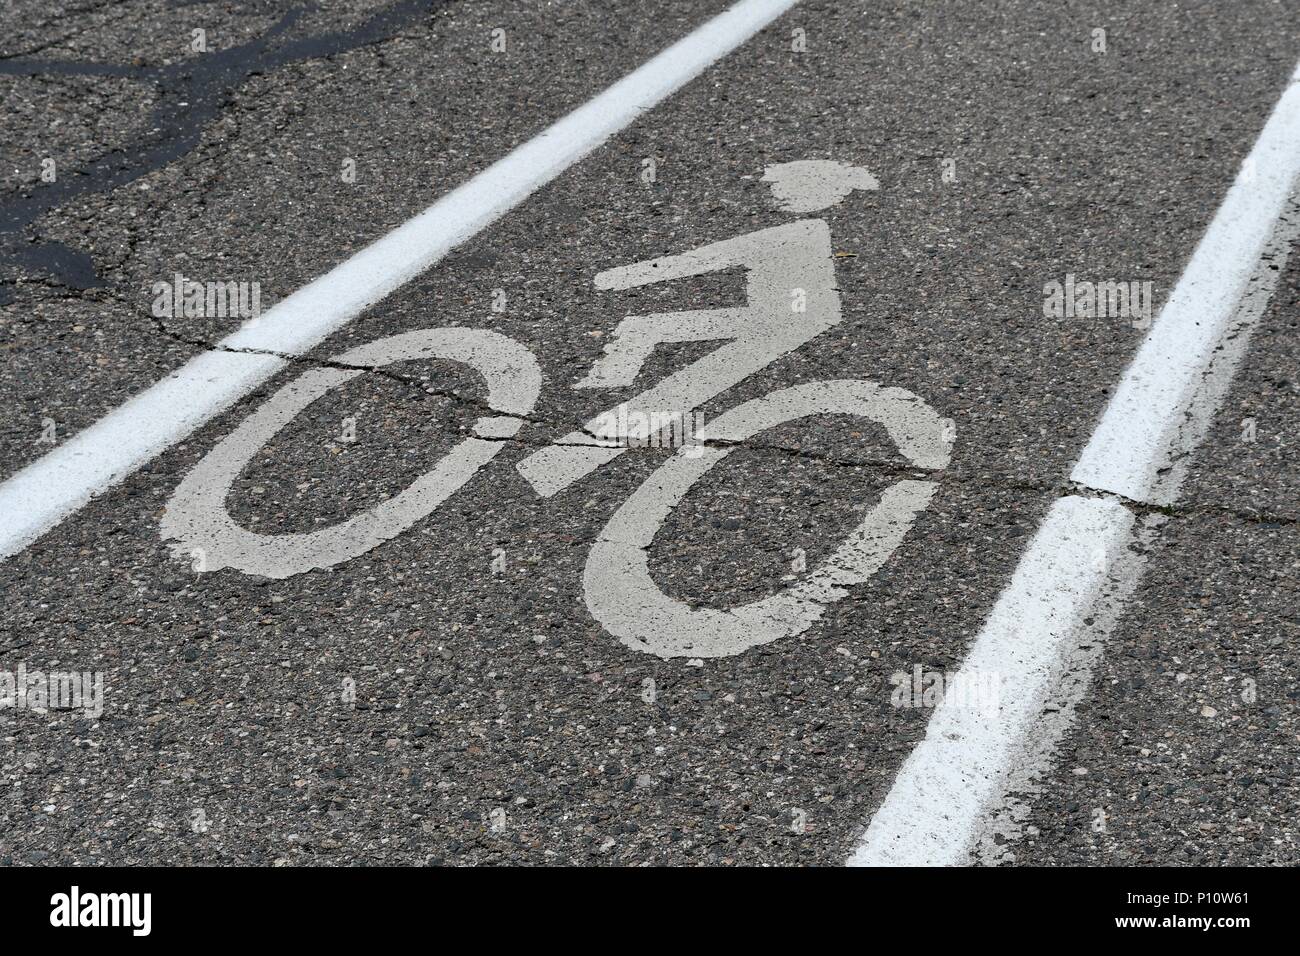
pixel 810 185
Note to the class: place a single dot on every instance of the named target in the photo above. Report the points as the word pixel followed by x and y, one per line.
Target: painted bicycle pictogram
pixel 791 297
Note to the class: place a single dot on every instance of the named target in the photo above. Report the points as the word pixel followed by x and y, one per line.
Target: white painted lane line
pixel 1082 564
pixel 51 488
pixel 954 774
pixel 1142 431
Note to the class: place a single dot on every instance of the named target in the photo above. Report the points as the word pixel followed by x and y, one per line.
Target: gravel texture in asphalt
pixel 447 696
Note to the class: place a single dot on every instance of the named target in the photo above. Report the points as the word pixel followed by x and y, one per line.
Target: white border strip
pixel 53 487
pixel 955 773
pixel 1137 437
pixel 958 774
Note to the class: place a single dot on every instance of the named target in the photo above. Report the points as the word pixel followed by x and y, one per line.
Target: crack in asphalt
pixel 191 94
pixel 889 467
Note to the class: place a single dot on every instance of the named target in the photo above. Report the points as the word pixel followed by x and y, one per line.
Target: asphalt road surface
pixel 740 412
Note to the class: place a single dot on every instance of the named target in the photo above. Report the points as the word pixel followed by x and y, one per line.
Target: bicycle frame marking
pixel 795 257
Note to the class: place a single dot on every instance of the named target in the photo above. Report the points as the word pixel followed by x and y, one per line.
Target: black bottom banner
pixel 336 906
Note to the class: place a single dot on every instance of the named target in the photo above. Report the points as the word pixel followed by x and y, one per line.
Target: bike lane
pixel 494 720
